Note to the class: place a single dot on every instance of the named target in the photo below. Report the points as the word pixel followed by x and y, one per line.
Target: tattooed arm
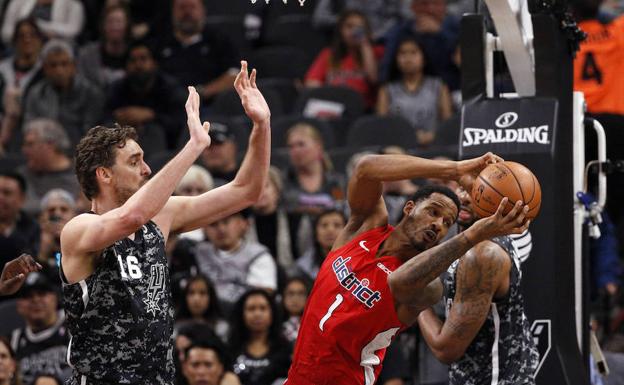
pixel 408 282
pixel 482 274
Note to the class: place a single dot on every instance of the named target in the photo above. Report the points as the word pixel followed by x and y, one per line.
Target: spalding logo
pixel 506 119
pixel 476 136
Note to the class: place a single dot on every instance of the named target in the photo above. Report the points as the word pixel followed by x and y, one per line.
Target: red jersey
pixel 350 318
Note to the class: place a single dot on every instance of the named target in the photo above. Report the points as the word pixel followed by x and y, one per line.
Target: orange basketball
pixel 505 179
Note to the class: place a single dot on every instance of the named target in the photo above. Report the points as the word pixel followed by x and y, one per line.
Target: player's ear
pixel 103 174
pixel 408 207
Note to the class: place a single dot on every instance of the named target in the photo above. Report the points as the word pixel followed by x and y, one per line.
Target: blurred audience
pixel 148 100
pixel 104 61
pixel 351 60
pixel 261 355
pixel 58 206
pixel 310 185
pixel 47 167
pixel 58 19
pixel 194 54
pixel 221 157
pixel 327 227
pixel 21 68
pixel 19 233
pixel 232 263
pixel 201 304
pixel 422 100
pixel 63 94
pixel 294 298
pixel 269 221
pixel 41 346
pixel 204 364
pixel 9 375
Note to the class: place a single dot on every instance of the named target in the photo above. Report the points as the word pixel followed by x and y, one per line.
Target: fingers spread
pixel 245 77
pixel 253 78
pixel 501 207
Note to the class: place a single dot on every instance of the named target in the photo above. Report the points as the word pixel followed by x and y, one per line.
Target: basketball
pixel 506 179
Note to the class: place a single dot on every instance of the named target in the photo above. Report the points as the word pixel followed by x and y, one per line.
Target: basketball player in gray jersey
pixel 115 278
pixel 486 337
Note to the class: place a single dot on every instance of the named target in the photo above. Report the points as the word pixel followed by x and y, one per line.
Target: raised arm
pixel 481 272
pixel 88 233
pixel 409 281
pixel 189 213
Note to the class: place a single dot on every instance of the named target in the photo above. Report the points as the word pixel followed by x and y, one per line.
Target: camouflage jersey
pixel 121 318
pixel 503 352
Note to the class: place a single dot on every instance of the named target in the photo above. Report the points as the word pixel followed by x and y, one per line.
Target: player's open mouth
pixel 430 235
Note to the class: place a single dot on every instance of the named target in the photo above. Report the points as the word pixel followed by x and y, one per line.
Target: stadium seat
pixel 286 89
pixel 448 132
pixel 295 31
pixel 280 159
pixel 233 28
pixel 280 62
pixel 228 103
pixel 382 131
pixel 280 126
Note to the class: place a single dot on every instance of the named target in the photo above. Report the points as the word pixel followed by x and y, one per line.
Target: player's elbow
pixel 445 356
pixel 398 288
pixel 365 166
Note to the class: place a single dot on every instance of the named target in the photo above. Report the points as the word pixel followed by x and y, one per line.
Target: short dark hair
pixel 19 178
pixel 217 348
pixel 98 149
pixel 425 192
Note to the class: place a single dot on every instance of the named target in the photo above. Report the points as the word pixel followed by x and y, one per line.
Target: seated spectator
pixel 17 73
pixel 437 31
pixel 58 19
pixel 200 304
pixel 104 61
pixel 326 229
pixel 149 100
pixel 382 14
pixel 19 233
pixel 41 346
pixel 269 221
pixel 195 333
pixel 196 55
pixel 261 354
pixel 220 157
pixel 47 379
pixel 47 165
pixel 294 298
pixel 232 263
pixel 64 95
pixel 310 186
pixel 351 60
pixel 58 206
pixel 204 364
pixel 422 100
pixel 9 375
pixel 196 181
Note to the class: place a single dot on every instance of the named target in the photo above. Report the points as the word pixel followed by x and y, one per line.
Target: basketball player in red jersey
pixel 377 278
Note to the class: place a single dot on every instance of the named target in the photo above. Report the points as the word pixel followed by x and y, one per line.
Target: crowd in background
pixel 342 78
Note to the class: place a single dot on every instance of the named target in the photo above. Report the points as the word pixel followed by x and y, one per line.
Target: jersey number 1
pixel 134 270
pixel 331 309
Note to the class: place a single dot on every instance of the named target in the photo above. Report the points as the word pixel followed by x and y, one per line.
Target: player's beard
pixel 123 193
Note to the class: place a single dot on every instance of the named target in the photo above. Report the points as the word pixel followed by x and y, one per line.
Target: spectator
pixel 196 55
pixel 47 379
pixel 58 206
pixel 396 193
pixel 148 100
pixel 422 100
pixel 41 346
pixel 437 32
pixel 382 14
pixel 327 227
pixel 14 273
pixel 200 304
pixel 310 185
pixel 17 73
pixel 196 181
pixel 233 263
pixel 220 158
pixel 103 62
pixel 47 165
pixel 19 233
pixel 204 364
pixel 294 298
pixel 9 375
pixel 262 355
pixel 351 60
pixel 62 94
pixel 58 19
pixel 269 223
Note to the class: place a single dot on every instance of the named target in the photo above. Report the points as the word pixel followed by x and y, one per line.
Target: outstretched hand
pixel 499 224
pixel 197 130
pixel 14 273
pixel 252 100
